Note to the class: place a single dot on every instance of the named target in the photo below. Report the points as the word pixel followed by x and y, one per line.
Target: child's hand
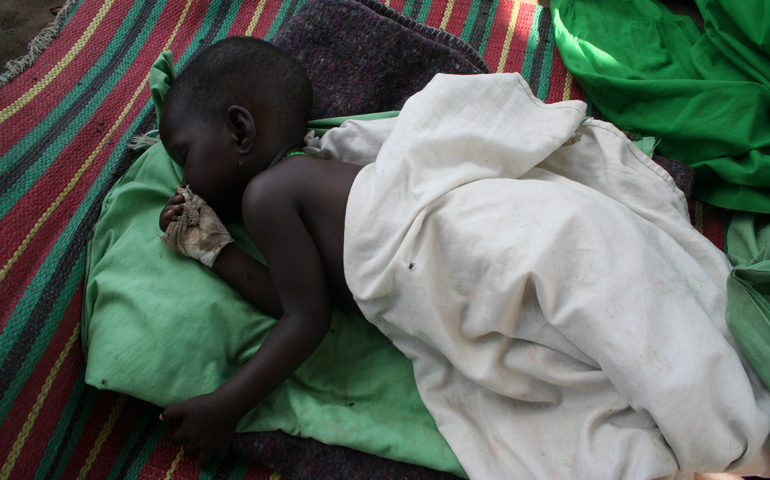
pixel 204 426
pixel 192 228
pixel 172 209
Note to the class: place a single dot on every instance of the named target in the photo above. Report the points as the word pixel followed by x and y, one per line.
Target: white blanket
pixel 563 317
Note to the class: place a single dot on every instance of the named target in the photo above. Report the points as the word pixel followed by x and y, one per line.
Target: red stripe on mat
pixel 256 471
pixel 558 80
pixel 266 20
pixel 33 205
pixel 59 391
pixel 497 34
pixel 42 104
pixel 162 460
pixel 518 46
pixel 117 440
pixel 397 5
pixel 459 15
pixel 23 271
pixel 63 383
pixel 97 417
pixel 243 18
pixel 436 13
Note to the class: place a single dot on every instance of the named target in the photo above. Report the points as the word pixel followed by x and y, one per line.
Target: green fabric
pixel 325 124
pixel 705 95
pixel 646 145
pixel 162 327
pixel 748 289
pixel 161 76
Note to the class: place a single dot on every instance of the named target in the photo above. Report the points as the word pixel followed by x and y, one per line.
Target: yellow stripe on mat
pixel 71 185
pixel 698 220
pixel 447 13
pixel 255 18
pixel 567 86
pixel 114 414
pixel 275 476
pixel 174 464
pixel 18 445
pixel 508 37
pixel 49 77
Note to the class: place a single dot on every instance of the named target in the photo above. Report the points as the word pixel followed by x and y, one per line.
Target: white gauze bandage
pixel 197 232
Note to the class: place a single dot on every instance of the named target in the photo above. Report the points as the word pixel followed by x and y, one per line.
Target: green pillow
pixel 162 327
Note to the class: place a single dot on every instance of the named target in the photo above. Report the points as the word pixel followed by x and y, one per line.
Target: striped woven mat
pixel 65 122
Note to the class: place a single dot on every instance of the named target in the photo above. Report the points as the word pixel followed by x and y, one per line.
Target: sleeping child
pixel 562 317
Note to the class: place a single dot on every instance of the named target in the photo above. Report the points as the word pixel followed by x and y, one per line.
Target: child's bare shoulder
pixel 298 176
pixel 282 180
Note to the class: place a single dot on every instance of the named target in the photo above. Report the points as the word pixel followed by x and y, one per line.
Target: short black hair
pixel 236 67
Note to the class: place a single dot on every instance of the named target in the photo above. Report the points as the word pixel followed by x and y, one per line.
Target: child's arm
pixel 250 278
pixel 272 218
pixel 239 269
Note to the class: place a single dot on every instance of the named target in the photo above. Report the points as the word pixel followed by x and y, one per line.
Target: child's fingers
pixel 172 210
pixel 175 200
pixel 174 412
pixel 168 214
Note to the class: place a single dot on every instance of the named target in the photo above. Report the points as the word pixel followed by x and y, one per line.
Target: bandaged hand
pixel 195 231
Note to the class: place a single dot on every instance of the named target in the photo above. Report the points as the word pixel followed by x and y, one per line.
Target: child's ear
pixel 243 130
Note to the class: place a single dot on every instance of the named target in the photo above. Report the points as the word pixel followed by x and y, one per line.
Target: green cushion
pixel 163 328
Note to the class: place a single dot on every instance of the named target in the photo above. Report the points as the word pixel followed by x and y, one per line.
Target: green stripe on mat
pixel 27 362
pixel 469 26
pixel 287 10
pixel 532 38
pixel 424 11
pixel 69 133
pixel 73 9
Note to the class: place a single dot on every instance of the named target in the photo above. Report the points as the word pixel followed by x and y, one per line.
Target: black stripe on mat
pixel 414 8
pixel 476 37
pixel 41 312
pixel 87 397
pixel 211 36
pixel 150 430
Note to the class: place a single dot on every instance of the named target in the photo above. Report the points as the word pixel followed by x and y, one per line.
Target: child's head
pixel 237 106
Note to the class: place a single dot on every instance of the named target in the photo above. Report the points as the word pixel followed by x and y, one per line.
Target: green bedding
pixel 163 328
pixel 706 95
pixel 748 288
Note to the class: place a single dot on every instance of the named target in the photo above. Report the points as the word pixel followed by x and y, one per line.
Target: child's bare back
pixel 296 210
